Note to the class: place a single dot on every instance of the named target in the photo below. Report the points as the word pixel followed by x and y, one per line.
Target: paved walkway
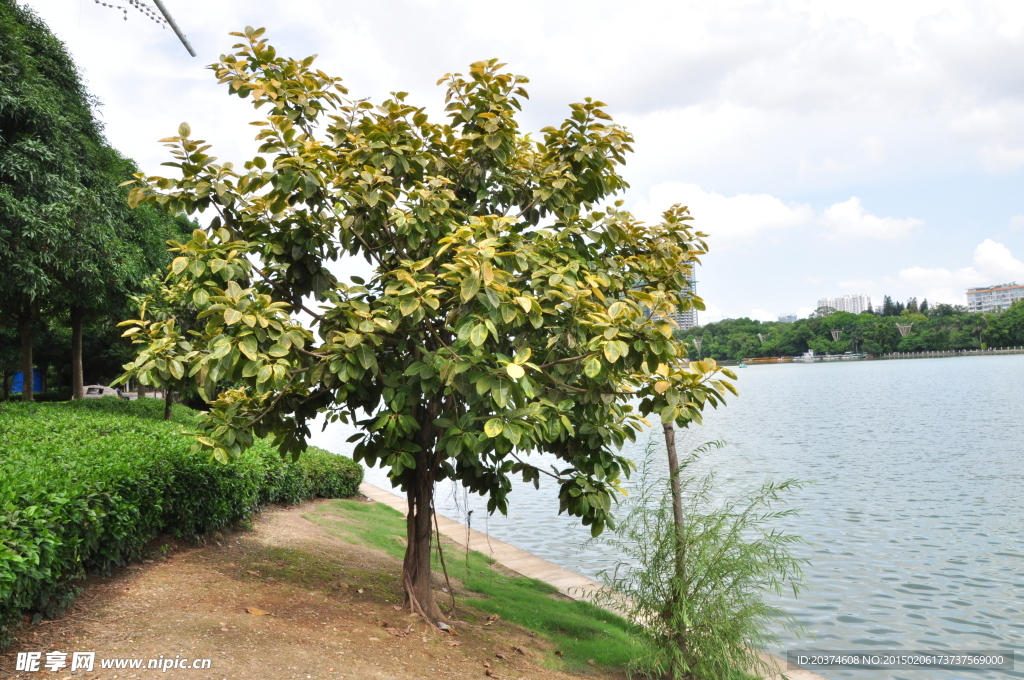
pixel 569 583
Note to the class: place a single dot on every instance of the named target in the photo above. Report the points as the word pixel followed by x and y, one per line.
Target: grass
pixel 580 631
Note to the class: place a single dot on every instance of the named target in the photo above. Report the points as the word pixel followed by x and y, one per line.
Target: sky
pixel 827 147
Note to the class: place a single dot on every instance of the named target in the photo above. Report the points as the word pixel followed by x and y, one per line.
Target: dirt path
pixel 329 607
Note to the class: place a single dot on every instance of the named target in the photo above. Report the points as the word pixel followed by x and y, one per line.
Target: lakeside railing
pixel 926 354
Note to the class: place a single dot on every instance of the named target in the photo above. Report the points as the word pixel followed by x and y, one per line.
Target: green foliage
pixel 481 334
pixel 696 594
pixel 69 243
pixel 944 327
pixel 88 483
pixel 580 630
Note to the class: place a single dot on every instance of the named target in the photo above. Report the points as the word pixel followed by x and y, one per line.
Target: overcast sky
pixel 828 147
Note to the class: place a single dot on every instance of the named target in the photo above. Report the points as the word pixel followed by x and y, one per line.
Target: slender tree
pixel 506 314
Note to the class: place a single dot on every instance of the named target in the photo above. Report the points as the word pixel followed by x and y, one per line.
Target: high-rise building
pixel 687 318
pixel 855 304
pixel 787 318
pixel 993 298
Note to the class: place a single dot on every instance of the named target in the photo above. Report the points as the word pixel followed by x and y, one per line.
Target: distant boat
pixel 742 365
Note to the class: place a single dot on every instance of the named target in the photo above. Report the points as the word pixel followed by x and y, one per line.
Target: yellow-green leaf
pixel 611 351
pixel 479 335
pixel 515 371
pixel 469 288
pixel 232 316
pixel 592 367
pixel 493 427
pixel 661 386
pixel 179 264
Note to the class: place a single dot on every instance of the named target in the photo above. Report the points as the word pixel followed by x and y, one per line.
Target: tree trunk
pixel 168 400
pixel 28 379
pixel 7 386
pixel 416 574
pixel 77 382
pixel 141 391
pixel 673 470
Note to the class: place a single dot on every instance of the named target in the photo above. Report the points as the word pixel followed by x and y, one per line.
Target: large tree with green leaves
pixel 71 248
pixel 511 310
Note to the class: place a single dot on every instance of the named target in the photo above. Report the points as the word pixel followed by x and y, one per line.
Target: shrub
pixel 696 595
pixel 87 484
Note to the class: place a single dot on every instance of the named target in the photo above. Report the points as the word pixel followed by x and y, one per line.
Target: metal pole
pixel 174 25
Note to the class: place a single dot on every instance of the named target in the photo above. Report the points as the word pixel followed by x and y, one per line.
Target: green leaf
pixel 200 298
pixel 611 351
pixel 365 356
pixel 493 427
pixel 592 368
pixel 479 335
pixel 277 350
pixel 184 130
pixel 264 373
pixel 232 316
pixel 178 265
pixel 469 288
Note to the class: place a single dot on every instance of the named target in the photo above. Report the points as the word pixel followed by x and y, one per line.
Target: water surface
pixel 913 517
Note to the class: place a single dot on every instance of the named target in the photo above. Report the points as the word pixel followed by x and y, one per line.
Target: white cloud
pixel 851 220
pixel 993 263
pixel 729 219
pixel 859 285
pixel 726 218
pixel 996 159
pixel 763 315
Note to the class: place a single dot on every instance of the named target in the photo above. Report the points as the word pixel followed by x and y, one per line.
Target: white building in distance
pixel 787 318
pixel 687 318
pixel 855 304
pixel 993 298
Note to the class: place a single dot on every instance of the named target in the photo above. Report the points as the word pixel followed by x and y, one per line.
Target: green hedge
pixel 85 485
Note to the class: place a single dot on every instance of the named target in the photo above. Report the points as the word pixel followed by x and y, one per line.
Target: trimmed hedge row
pixel 85 485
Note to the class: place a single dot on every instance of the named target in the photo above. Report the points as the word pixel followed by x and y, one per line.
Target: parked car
pixel 99 391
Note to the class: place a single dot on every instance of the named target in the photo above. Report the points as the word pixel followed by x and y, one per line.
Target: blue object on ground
pixel 18 381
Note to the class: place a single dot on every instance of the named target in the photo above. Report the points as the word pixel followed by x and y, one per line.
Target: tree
pixel 507 314
pixel 71 248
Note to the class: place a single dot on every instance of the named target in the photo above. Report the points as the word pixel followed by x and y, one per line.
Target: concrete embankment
pixel 569 583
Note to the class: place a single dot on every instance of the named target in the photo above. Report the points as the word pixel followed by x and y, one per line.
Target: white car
pixel 99 391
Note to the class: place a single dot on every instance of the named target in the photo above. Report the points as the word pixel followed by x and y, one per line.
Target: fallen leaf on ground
pixel 345 586
pixel 500 655
pixel 493 617
pixel 360 591
pixel 489 673
pixel 454 643
pixel 256 611
pixel 446 628
pixel 252 573
pixel 486 665
pixel 396 607
pixel 590 661
pixel 396 632
pixel 558 653
pixel 520 650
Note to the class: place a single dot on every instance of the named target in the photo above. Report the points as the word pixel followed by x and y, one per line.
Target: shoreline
pixel 568 583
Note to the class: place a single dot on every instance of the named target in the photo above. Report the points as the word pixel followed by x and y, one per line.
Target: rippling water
pixel 913 516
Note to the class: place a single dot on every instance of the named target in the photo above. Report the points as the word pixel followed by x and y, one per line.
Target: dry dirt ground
pixel 328 603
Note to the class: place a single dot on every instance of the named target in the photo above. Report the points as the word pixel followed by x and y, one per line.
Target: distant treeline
pixel 941 327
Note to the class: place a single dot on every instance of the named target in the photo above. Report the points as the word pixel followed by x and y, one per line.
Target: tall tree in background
pixel 506 314
pixel 67 240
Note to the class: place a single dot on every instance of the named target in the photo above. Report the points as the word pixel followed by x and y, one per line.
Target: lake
pixel 914 515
